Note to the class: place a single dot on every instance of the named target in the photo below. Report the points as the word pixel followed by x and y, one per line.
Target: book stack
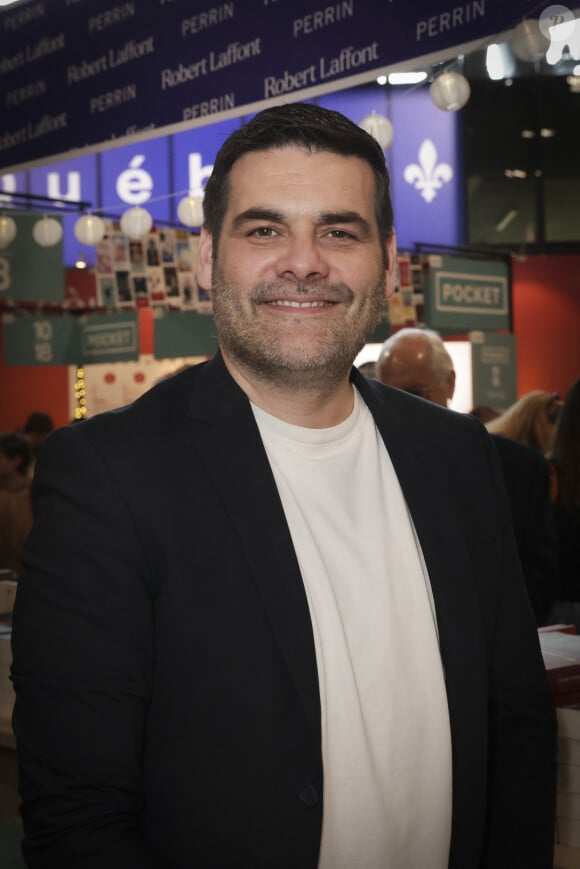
pixel 568 795
pixel 561 653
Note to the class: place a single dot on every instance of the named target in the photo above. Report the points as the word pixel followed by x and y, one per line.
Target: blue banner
pixel 76 75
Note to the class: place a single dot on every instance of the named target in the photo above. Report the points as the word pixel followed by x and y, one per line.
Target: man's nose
pixel 302 258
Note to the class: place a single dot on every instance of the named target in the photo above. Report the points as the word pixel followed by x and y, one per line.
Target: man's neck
pixel 309 408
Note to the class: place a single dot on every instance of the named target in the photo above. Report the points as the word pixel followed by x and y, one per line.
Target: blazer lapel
pixel 227 436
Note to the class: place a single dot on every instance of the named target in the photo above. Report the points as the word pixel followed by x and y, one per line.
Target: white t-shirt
pixel 386 745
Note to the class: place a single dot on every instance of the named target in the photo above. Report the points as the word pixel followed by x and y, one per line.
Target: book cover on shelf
pixel 561 653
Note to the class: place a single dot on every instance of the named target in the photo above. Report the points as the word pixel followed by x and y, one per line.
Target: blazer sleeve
pixel 82 666
pixel 520 822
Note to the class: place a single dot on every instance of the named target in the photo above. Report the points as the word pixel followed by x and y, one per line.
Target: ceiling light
pixel 499 61
pixel 528 134
pixel 407 77
pixel 450 91
pixel 515 173
pixel 382 79
pixel 547 133
pixel 506 220
pixel 47 231
pixel 7 231
pixel 380 128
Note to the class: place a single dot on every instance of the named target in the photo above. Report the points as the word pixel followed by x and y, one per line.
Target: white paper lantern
pixel 89 229
pixel 136 222
pixel 47 232
pixel 450 91
pixel 7 230
pixel 190 211
pixel 380 128
pixel 528 43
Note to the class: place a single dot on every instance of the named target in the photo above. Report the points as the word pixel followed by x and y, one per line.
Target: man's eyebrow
pixel 326 218
pixel 268 215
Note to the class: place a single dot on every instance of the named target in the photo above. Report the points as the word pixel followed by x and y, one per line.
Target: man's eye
pixel 263 232
pixel 340 234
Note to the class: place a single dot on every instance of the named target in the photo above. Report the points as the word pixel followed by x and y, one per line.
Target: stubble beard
pixel 257 349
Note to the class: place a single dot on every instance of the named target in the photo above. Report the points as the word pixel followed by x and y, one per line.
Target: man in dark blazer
pixel 417 361
pixel 176 701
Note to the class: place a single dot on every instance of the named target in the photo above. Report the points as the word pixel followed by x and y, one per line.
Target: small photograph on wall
pixel 107 296
pixel 104 260
pixel 140 291
pixel 120 250
pixel 187 290
pixel 152 252
pixel 156 283
pixel 124 287
pixel 167 245
pixel 137 257
pixel 171 282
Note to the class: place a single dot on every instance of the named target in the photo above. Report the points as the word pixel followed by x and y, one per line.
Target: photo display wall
pixel 158 269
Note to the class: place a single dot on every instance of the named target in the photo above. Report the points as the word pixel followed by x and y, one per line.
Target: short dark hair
pixel 13 444
pixel 38 423
pixel 303 125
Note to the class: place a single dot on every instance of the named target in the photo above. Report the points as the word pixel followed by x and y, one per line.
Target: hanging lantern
pixel 47 232
pixel 380 128
pixel 450 91
pixel 528 43
pixel 136 222
pixel 7 230
pixel 89 229
pixel 190 211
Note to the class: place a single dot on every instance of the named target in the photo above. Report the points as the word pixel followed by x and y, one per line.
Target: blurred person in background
pixel 15 503
pixel 484 413
pixel 565 462
pixel 417 361
pixel 36 429
pixel 531 421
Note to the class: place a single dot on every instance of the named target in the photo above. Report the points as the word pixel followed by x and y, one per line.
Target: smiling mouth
pixel 287 303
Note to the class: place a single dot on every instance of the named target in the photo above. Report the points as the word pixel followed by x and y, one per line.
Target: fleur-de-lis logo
pixel 428 176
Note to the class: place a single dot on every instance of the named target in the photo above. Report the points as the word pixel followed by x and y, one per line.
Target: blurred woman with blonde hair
pixel 530 421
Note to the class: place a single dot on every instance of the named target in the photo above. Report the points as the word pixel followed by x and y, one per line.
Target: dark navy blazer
pixel 167 707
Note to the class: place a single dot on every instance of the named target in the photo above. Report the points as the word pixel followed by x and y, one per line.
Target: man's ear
pixel 205 259
pixel 451 385
pixel 391 265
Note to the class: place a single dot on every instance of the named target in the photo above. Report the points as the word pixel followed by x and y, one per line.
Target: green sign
pixel 183 333
pixel 68 340
pixel 493 365
pixel 28 271
pixel 109 338
pixel 40 340
pixel 463 294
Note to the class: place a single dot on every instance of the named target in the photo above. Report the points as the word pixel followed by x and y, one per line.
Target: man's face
pixel 299 276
